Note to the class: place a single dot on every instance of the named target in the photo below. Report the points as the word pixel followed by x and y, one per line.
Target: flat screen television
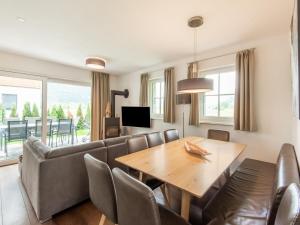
pixel 136 116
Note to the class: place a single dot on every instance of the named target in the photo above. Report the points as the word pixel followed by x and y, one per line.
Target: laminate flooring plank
pixel 13 208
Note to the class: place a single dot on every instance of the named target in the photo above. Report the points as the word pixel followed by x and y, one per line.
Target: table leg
pixel 141 176
pixel 185 205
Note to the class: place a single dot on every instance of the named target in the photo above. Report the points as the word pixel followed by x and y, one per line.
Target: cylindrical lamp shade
pixel 194 85
pixel 95 63
pixel 183 99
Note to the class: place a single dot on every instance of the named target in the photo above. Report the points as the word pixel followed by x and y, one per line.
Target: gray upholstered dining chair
pixel 171 135
pixel 136 203
pixel 220 135
pixel 136 144
pixel 154 139
pixel 101 188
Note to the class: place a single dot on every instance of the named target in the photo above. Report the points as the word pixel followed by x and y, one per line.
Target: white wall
pixel 44 68
pixel 272 96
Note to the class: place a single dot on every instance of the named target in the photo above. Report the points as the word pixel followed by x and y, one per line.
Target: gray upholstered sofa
pixel 56 179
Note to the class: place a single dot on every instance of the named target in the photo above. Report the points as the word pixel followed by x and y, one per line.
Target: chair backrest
pixel 289 208
pixel 287 172
pixel 17 130
pixel 220 135
pixel 154 139
pixel 135 201
pixel 31 119
pixel 136 144
pixel 101 187
pixel 171 135
pixel 38 127
pixel 64 126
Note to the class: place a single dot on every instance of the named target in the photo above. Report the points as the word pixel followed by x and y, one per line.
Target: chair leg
pixel 163 189
pixel 102 220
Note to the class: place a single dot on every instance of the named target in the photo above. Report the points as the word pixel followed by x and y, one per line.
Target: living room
pixel 211 88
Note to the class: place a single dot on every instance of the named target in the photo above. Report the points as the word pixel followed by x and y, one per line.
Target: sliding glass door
pixel 20 114
pixel 56 112
pixel 70 112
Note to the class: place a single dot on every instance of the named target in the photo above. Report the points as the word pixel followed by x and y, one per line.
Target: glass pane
pixel 227 83
pixel 155 107
pixel 226 105
pixel 161 106
pixel 211 105
pixel 20 108
pixel 215 78
pixel 162 89
pixel 157 90
pixel 70 111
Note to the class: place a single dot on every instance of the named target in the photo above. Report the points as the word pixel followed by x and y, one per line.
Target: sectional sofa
pixel 56 179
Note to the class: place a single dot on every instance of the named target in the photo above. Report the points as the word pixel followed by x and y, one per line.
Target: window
pixel 217 106
pixel 9 101
pixel 156 93
pixel 71 101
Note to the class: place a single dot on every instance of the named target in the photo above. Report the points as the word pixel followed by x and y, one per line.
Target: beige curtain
pixel 194 108
pixel 169 103
pixel 243 110
pixel 100 98
pixel 144 89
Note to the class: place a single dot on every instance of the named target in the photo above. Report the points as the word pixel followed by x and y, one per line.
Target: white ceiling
pixel 133 34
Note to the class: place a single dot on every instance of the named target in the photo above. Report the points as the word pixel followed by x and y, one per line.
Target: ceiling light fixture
pixel 95 63
pixel 20 19
pixel 195 85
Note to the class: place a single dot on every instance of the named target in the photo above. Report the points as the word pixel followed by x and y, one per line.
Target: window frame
pixel 215 119
pixel 162 96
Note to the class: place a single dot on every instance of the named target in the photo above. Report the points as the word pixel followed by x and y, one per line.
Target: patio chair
pixel 64 130
pixel 38 129
pixel 16 130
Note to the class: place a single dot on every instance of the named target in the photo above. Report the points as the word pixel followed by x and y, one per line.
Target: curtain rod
pixel 205 59
pixel 219 56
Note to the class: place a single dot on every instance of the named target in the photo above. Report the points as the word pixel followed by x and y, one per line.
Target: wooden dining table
pixel 190 173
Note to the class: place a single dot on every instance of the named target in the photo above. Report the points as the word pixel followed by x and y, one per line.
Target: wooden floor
pixel 15 208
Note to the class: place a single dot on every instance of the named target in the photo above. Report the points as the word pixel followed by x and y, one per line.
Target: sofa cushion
pixel 246 197
pixel 38 147
pixel 116 140
pixel 62 151
pixel 287 172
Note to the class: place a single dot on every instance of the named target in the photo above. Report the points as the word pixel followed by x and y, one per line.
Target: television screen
pixel 136 116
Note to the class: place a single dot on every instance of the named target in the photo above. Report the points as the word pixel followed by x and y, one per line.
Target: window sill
pixel 216 123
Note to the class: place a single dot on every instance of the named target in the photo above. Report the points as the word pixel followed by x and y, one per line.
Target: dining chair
pixel 64 129
pixel 101 188
pixel 136 144
pixel 38 129
pixel 136 203
pixel 171 135
pixel 220 135
pixel 16 130
pixel 154 139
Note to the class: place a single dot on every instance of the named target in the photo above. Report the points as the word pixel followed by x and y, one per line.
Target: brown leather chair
pixel 220 135
pixel 171 135
pixel 289 208
pixel 137 206
pixel 136 144
pixel 154 139
pixel 101 188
